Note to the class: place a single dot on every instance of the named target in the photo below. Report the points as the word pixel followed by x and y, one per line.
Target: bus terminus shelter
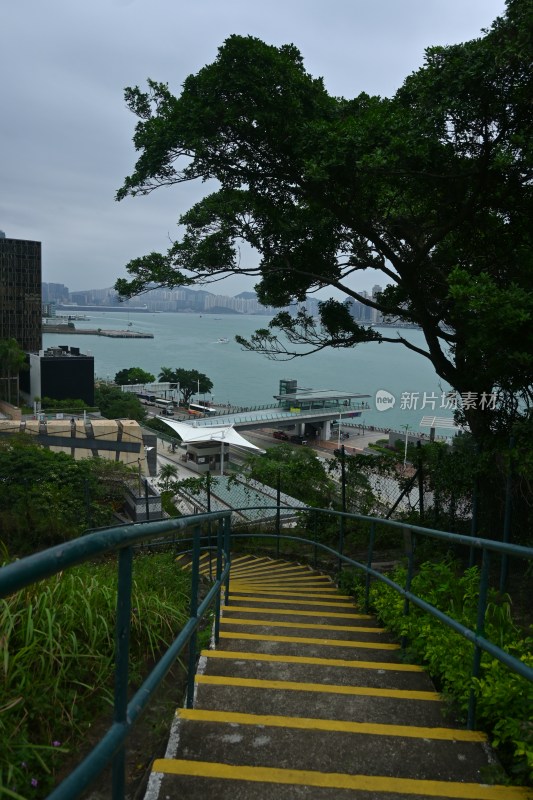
pixel 206 445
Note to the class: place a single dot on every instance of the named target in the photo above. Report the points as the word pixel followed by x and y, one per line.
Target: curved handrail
pixel 124 538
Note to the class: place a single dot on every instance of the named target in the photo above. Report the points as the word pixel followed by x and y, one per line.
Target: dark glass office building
pixel 20 292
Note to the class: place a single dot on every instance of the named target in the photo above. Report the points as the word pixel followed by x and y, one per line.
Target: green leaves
pixel 504 699
pixel 47 498
pixel 133 375
pixel 299 471
pixel 431 186
pixel 57 660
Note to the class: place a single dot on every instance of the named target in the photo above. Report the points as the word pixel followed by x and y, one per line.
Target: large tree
pixel 191 382
pixel 130 376
pixel 431 187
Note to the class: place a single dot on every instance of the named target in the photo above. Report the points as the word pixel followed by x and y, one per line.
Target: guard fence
pixel 213 532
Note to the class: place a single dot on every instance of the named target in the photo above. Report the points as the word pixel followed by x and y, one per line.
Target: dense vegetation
pixel 57 653
pixel 116 404
pixel 504 699
pixel 129 376
pixel 297 471
pixel 47 498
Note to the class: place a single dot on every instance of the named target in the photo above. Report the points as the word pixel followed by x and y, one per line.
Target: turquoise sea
pixel 247 379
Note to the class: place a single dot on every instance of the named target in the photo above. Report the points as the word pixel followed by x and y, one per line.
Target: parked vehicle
pixel 298 439
pixel 280 435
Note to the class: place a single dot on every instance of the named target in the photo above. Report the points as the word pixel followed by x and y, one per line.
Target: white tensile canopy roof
pixel 226 434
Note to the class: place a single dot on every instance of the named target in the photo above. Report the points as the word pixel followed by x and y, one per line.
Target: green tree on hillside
pixel 432 187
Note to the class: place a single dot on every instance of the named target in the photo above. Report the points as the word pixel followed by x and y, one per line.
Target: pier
pixel 112 334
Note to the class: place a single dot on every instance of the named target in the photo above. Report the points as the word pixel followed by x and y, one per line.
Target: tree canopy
pixel 116 404
pixel 133 375
pixel 189 381
pixel 300 473
pixel 432 187
pixel 48 497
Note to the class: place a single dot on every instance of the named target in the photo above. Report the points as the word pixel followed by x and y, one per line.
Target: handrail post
pixel 219 573
pixel 480 629
pixel 193 641
pixel 369 560
pixel 409 540
pixel 208 486
pixel 343 506
pixel 227 551
pixel 315 549
pixel 122 644
pixel 507 517
pixel 475 504
pixel 278 512
pixel 420 472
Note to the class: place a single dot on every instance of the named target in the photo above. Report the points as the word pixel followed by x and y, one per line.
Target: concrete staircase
pixel 306 698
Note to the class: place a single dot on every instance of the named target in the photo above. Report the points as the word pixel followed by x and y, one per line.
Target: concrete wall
pixel 115 440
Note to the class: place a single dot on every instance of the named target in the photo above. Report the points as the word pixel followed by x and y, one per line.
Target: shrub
pixel 504 699
pixel 57 652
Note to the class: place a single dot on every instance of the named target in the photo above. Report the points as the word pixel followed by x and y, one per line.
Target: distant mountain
pixel 246 296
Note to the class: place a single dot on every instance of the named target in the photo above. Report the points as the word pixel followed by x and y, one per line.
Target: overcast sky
pixel 66 135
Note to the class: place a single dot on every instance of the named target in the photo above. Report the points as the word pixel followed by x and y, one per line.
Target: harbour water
pixel 191 341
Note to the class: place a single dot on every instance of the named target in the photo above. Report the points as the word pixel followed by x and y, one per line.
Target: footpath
pixel 305 697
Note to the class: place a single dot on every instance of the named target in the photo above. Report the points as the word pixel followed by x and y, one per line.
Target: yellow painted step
pixel 337 780
pixel 332 725
pixel 296 686
pixel 297 612
pixel 234 598
pixel 272 623
pixel 314 660
pixel 257 637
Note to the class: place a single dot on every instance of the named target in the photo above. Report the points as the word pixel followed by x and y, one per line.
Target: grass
pixel 57 660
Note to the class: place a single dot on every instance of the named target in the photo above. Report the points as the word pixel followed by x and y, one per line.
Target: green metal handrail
pixel 123 539
pixel 19 574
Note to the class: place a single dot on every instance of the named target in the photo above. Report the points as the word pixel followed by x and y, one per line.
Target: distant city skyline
pixel 186 299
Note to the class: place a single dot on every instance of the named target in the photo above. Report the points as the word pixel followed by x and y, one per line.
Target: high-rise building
pixel 20 292
pixel 55 292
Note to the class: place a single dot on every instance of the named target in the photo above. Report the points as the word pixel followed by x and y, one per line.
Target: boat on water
pixel 222 340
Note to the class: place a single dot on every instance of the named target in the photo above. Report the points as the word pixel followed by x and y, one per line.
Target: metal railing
pixel 122 540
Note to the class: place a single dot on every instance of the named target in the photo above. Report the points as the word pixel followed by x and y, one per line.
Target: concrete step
pixel 305 697
pixel 294 668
